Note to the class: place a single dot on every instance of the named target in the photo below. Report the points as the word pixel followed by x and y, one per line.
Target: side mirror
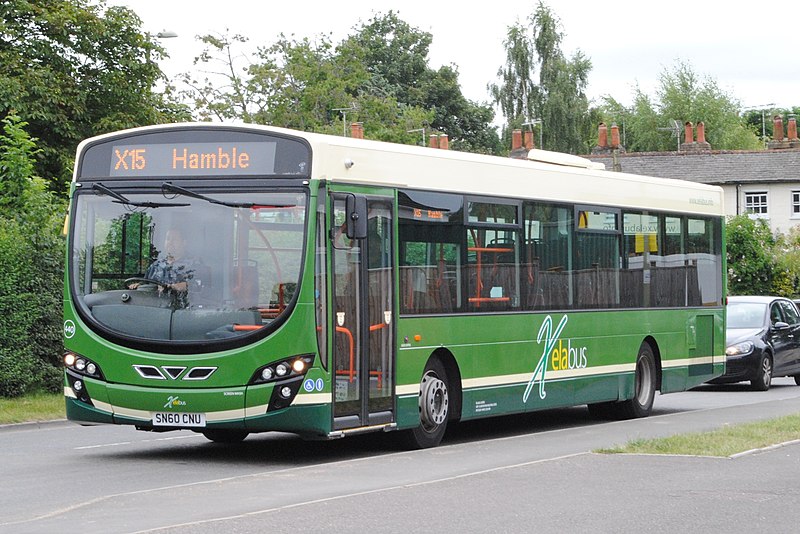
pixel 356 213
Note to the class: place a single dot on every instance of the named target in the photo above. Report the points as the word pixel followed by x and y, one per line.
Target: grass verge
pixel 726 441
pixel 38 407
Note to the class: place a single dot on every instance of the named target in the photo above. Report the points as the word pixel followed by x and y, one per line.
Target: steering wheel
pixel 143 280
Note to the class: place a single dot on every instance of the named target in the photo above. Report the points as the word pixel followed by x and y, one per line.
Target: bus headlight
pixel 282 369
pixel 82 365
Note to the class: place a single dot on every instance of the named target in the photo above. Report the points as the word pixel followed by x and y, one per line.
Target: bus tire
pixel 644 391
pixel 434 407
pixel 225 435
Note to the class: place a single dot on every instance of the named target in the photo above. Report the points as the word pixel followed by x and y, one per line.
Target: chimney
pixel 602 135
pixel 603 146
pixel 529 140
pixel 444 142
pixel 517 150
pixel 357 130
pixel 516 139
pixel 702 145
pixel 778 140
pixel 433 141
pixel 691 146
pixel 615 136
pixel 777 128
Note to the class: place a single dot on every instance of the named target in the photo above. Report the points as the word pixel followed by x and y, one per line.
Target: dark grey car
pixel 762 340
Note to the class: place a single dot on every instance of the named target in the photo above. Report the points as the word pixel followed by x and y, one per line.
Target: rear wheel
pixel 644 391
pixel 225 435
pixel 763 378
pixel 434 407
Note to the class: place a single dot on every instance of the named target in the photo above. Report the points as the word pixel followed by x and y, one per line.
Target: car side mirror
pixel 780 325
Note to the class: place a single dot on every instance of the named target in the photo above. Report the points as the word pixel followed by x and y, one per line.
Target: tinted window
pixel 790 314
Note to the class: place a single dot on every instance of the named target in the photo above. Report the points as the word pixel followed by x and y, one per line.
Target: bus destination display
pixel 182 159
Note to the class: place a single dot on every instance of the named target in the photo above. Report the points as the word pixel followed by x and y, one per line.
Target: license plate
pixel 179 419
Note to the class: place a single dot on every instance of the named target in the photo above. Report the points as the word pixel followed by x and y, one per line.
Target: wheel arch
pixel 650 340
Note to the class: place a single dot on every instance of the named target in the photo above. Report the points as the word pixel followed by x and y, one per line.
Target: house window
pixel 756 202
pixel 795 203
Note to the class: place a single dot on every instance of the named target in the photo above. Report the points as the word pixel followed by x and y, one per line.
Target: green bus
pixel 236 279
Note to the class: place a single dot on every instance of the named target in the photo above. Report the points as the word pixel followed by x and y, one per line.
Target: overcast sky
pixel 748 47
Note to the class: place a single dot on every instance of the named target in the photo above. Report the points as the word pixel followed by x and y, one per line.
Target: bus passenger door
pixel 363 314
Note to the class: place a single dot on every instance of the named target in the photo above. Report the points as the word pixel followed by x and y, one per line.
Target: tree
pixel 559 99
pixel 761 120
pixel 300 84
pixel 395 56
pixel 73 69
pixel 379 76
pixel 682 96
pixel 751 261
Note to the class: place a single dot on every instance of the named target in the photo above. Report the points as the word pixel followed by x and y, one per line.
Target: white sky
pixel 749 48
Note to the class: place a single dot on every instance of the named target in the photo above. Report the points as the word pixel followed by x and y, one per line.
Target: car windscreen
pixel 746 314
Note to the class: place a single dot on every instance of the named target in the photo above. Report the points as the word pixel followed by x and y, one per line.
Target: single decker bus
pixel 236 279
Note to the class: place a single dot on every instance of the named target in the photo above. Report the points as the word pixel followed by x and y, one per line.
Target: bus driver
pixel 172 270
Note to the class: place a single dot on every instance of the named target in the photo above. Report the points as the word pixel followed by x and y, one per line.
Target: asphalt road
pixel 530 473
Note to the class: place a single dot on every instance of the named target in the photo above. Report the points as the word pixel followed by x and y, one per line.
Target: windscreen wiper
pixel 167 187
pixel 122 199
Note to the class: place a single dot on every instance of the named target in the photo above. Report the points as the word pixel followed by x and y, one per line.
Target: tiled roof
pixel 715 167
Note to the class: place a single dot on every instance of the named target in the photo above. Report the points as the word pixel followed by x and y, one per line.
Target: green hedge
pixel 30 308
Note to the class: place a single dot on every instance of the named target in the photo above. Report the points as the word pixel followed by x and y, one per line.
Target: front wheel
pixel 434 407
pixel 763 378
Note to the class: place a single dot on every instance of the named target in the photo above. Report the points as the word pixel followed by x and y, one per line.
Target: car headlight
pixel 740 349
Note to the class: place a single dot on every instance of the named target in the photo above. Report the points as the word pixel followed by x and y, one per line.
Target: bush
pixel 18 372
pixel 31 271
pixel 30 311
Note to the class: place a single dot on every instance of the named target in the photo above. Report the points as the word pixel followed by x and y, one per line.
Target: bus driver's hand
pixel 179 286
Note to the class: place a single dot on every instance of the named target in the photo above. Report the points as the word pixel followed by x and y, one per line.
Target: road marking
pixel 120 443
pixel 362 493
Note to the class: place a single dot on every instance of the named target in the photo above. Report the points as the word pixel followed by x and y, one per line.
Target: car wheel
pixel 797 379
pixel 763 378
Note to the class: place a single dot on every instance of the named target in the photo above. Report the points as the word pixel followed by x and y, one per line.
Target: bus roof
pixel 545 175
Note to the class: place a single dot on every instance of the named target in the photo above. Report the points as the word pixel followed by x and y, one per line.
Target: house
pixel 764 183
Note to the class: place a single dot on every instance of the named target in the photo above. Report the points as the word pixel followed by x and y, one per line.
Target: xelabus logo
pixel 549 338
pixel 173 401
